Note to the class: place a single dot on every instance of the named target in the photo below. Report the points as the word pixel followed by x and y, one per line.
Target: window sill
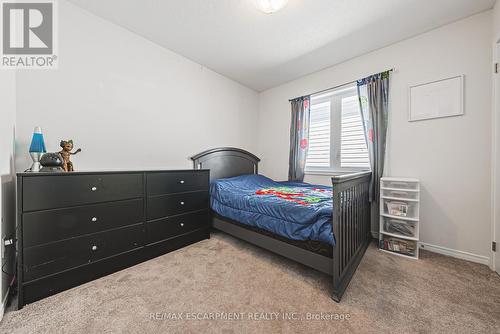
pixel 333 173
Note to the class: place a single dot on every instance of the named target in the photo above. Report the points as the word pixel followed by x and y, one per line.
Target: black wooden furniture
pixel 351 218
pixel 75 227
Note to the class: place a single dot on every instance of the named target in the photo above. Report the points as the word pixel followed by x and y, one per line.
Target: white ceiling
pixel 262 51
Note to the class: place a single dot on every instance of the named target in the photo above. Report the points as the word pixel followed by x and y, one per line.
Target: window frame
pixel 335 97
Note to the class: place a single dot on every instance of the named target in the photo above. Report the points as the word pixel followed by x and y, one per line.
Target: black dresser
pixel 75 227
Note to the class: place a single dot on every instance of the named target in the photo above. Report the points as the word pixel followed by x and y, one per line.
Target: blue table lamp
pixel 37 149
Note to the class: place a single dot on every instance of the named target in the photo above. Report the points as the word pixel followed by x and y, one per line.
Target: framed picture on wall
pixel 436 99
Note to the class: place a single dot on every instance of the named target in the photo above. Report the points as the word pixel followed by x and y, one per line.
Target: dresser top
pixel 97 172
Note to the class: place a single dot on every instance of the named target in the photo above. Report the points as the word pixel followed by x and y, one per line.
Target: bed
pixel 325 228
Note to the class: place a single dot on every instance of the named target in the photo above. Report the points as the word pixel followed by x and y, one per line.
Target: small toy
pixel 66 154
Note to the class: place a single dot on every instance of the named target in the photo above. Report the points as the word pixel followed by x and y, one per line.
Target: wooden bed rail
pixel 351 226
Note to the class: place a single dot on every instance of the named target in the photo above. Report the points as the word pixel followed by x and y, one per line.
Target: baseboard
pixel 4 303
pixel 455 253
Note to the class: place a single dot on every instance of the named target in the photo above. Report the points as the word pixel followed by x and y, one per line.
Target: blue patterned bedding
pixel 297 211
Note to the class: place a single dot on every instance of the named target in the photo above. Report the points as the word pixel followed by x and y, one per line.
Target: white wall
pixel 128 103
pixel 7 179
pixel 496 21
pixel 450 156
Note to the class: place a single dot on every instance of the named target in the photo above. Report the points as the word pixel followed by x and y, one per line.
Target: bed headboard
pixel 226 162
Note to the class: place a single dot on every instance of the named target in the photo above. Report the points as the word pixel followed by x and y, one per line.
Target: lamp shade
pixel 37 142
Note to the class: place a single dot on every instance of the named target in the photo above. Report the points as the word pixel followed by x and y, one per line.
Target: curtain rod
pixel 338 86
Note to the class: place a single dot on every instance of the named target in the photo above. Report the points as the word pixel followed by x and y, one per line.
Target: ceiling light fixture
pixel 270 6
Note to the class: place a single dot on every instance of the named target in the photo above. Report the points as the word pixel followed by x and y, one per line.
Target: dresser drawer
pixel 41 227
pixel 176 182
pixel 170 227
pixel 170 205
pixel 59 256
pixel 49 192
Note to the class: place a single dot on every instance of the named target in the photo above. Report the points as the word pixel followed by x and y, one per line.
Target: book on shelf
pixel 399 246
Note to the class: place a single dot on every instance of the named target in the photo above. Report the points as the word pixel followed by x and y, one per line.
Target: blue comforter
pixel 297 211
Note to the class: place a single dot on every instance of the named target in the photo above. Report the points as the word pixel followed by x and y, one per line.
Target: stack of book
pixel 398 245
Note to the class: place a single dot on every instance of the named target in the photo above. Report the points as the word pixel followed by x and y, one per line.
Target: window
pixel 336 132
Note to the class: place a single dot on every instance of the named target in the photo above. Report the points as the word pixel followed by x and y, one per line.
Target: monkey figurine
pixel 66 154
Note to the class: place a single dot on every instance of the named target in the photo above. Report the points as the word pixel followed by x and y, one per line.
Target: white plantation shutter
pixel 336 132
pixel 353 150
pixel 318 155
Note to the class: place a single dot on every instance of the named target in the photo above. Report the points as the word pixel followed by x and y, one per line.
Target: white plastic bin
pixel 401 208
pixel 399 227
pixel 398 245
pixel 403 194
pixel 404 185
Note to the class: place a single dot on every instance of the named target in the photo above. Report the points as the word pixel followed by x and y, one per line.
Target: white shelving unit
pixel 399 216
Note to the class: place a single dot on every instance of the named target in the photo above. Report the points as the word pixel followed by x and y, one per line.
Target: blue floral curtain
pixel 373 93
pixel 299 138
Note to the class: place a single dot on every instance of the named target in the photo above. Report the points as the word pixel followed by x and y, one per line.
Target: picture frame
pixel 436 99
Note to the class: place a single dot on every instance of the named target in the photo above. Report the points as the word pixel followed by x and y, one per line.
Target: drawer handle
pixel 181 181
pixel 94 248
pixel 94 219
pixel 93 188
pixel 182 224
pixel 182 203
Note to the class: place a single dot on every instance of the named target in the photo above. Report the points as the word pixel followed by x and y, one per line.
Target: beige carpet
pixel 436 294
